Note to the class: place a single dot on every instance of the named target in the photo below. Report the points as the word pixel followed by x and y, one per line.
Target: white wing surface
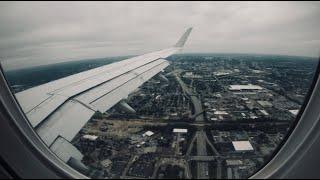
pixel 59 109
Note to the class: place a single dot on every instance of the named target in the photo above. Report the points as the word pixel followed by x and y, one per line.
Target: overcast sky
pixel 37 33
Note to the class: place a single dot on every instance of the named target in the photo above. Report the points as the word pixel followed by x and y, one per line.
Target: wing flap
pixel 65 121
pixel 39 113
pixel 64 149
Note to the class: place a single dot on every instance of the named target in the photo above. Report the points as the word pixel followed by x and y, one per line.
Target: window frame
pixel 304 131
pixel 32 158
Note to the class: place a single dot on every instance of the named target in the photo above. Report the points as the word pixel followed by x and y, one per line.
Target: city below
pixel 209 116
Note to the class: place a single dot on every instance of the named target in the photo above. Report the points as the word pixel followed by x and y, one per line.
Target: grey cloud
pixel 36 33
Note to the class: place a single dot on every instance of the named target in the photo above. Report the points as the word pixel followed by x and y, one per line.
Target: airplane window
pixel 217 101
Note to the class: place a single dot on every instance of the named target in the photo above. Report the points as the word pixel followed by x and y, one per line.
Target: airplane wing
pixel 59 109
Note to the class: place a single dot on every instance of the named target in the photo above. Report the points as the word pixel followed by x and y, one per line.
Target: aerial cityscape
pixel 209 116
pixel 160 90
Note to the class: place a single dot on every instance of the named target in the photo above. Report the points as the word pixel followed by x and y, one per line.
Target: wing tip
pixel 183 38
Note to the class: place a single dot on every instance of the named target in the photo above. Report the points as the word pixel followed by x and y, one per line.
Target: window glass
pixel 220 108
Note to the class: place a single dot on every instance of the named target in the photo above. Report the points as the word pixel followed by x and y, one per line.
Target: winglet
pixel 183 38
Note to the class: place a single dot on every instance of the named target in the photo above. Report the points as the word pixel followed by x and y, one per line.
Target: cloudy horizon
pixel 38 33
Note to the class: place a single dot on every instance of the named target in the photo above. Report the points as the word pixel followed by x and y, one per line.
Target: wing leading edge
pixel 59 109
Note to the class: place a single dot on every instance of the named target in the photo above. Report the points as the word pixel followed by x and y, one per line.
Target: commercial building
pixel 148 133
pixel 244 87
pixel 242 146
pixel 176 130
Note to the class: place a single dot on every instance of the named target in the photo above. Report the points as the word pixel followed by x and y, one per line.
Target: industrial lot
pixel 210 117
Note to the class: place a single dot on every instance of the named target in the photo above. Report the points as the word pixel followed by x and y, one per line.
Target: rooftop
pixel 175 130
pixel 234 162
pixel 148 133
pixel 265 103
pixel 245 87
pixel 90 137
pixel 242 145
pixel 264 112
pixel 220 113
pixel 294 112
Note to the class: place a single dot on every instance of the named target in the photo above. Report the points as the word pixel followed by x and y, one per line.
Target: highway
pixel 200 136
pixel 202 167
pixel 198 111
